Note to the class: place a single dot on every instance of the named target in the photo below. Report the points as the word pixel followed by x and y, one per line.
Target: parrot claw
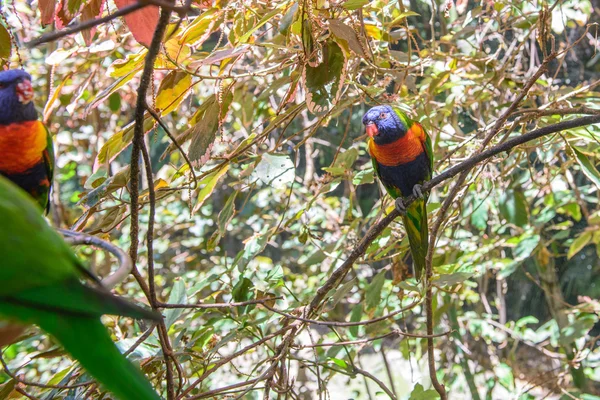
pixel 400 206
pixel 417 191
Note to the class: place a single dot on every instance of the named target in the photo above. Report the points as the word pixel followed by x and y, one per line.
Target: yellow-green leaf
pixel 209 182
pixel 579 243
pixel 172 91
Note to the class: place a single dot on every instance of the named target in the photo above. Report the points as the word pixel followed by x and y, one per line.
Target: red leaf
pixel 91 10
pixel 47 10
pixel 141 23
pixel 63 16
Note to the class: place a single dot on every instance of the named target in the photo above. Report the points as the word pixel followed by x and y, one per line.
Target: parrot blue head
pixel 383 125
pixel 16 95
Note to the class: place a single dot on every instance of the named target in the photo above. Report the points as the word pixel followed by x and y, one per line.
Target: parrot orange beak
pixel 372 129
pixel 24 91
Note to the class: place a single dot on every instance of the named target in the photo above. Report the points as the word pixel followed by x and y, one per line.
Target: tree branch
pixel 53 36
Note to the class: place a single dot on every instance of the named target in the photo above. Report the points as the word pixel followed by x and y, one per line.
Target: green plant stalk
pixel 544 264
pixel 464 364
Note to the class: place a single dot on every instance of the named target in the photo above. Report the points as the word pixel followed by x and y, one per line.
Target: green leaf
pixel 242 291
pixel 110 185
pixel 209 182
pixel 201 28
pixel 453 279
pixel 579 243
pixel 587 167
pixel 419 393
pixel 223 219
pixel 119 142
pixel 355 316
pixel 505 375
pixel 324 83
pixel 355 4
pixel 252 248
pixel 373 291
pixel 513 207
pixel 177 296
pixel 343 162
pixel 396 21
pixel 363 177
pixel 123 67
pixel 525 247
pixel 341 292
pixel 266 18
pixel 577 329
pixel 276 170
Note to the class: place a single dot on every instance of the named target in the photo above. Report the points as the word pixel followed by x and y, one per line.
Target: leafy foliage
pixel 265 100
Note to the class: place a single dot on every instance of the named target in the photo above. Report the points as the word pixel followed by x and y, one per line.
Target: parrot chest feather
pixel 21 145
pixel 402 151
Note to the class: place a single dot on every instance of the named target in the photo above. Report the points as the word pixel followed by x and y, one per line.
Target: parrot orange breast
pixel 22 145
pixel 402 151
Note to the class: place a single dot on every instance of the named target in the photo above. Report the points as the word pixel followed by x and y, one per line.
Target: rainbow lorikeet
pixel 26 151
pixel 402 157
pixel 41 284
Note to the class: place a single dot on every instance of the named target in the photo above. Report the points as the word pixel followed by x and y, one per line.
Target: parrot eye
pixel 383 115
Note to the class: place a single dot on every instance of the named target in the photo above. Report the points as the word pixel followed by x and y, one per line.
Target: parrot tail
pixel 415 223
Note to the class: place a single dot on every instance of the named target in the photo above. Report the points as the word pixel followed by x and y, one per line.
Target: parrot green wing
pixel 40 285
pixel 49 162
pixel 429 151
pixel 87 340
pixel 34 255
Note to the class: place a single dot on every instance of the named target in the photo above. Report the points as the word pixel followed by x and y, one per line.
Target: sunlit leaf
pixel 419 393
pixel 5 43
pixel 172 90
pixel 208 185
pixel 276 170
pixel 201 27
pixel 47 10
pixel 141 23
pixel 347 35
pixel 119 141
pixel 355 4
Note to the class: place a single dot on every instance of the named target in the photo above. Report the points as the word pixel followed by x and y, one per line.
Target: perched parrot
pixel 402 158
pixel 41 284
pixel 26 151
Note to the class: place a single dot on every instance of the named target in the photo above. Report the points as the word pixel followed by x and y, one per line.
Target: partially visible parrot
pixel 41 284
pixel 26 151
pixel 402 157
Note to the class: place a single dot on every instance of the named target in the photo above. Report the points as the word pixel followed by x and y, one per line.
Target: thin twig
pixel 395 332
pixel 220 305
pixel 343 324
